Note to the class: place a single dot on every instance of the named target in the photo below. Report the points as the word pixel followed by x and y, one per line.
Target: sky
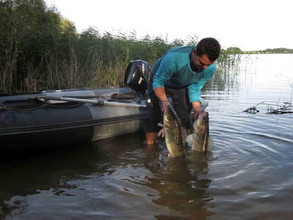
pixel 247 24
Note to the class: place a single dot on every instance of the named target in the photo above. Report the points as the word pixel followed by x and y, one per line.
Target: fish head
pixel 173 133
pixel 202 121
pixel 204 117
pixel 170 117
pixel 201 132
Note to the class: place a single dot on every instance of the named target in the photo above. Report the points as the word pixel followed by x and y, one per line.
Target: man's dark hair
pixel 210 47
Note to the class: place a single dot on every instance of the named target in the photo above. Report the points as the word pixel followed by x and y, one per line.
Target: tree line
pixel 236 50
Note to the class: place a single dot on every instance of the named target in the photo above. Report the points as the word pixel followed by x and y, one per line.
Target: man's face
pixel 198 63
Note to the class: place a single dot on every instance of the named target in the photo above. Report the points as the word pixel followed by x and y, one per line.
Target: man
pixel 181 73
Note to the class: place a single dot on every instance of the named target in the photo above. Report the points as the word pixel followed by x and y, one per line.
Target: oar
pixel 93 101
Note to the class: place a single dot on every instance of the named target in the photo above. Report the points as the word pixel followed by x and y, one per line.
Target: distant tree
pixel 234 50
pixel 271 51
pixel 278 50
pixel 177 42
pixel 29 30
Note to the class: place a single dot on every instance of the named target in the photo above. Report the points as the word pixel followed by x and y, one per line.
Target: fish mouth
pixel 170 110
pixel 170 113
pixel 204 116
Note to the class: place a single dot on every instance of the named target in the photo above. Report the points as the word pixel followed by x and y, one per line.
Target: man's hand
pixel 161 94
pixel 197 113
pixel 164 104
pixel 196 109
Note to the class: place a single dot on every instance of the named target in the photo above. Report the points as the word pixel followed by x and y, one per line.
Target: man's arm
pixel 196 106
pixel 161 94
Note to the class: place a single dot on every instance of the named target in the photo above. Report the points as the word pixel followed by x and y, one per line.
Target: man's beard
pixel 197 69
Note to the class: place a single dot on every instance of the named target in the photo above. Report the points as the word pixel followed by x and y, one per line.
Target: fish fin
pixel 189 140
pixel 161 133
pixel 160 125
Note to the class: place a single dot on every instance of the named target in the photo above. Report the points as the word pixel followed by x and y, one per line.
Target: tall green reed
pixel 90 60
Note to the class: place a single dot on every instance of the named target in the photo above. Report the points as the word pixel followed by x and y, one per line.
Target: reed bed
pixel 43 51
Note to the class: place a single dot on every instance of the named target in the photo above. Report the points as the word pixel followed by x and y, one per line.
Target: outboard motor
pixel 137 76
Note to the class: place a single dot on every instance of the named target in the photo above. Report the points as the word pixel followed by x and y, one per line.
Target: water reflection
pixel 182 183
pixel 178 184
pixel 32 173
pixel 189 197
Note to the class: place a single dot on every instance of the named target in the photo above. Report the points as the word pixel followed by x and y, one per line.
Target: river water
pixel 248 173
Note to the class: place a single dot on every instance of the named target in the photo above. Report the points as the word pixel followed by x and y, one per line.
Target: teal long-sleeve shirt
pixel 173 70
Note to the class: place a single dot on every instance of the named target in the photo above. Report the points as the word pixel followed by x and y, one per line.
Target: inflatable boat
pixel 61 117
pixel 69 116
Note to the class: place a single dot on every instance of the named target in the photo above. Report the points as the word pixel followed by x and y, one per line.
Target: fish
pixel 200 137
pixel 173 133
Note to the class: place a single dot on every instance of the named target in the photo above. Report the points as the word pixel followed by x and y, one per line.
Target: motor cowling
pixel 137 76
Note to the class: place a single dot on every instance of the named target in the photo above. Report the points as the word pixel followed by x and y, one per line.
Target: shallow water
pixel 246 175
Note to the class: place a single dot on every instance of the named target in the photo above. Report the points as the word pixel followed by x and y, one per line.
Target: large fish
pixel 173 133
pixel 201 132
